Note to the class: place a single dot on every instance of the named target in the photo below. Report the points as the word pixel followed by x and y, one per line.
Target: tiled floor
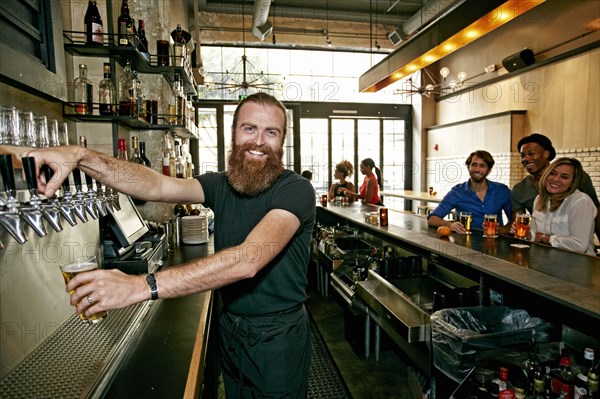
pixel 365 378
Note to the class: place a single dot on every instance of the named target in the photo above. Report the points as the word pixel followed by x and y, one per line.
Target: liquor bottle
pixel 93 25
pixel 592 388
pixel 179 101
pixel 586 367
pixel 81 91
pixel 127 91
pixel 179 163
pixel 166 156
pixel 531 365
pixel 143 154
pixel 179 51
pixel 122 149
pixel 502 380
pixel 563 378
pixel 106 93
pixel 143 41
pixel 135 151
pixel 126 25
pixel 173 161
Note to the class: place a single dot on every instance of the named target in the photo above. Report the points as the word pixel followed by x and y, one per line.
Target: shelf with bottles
pixel 81 113
pixel 75 44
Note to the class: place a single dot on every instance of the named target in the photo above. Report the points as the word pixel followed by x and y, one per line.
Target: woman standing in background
pixel 343 170
pixel 369 189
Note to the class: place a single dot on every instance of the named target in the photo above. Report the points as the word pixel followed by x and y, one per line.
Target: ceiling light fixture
pixel 440 87
pixel 409 57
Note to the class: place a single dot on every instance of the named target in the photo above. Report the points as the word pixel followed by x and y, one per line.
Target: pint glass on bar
pixel 522 225
pixel 465 220
pixel 489 225
pixel 79 265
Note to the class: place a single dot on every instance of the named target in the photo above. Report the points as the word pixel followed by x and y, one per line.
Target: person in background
pixel 563 216
pixel 369 189
pixel 478 195
pixel 343 170
pixel 264 216
pixel 307 174
pixel 536 153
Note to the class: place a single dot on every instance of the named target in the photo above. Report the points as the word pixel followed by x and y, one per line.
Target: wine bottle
pixel 126 24
pixel 143 41
pixel 166 156
pixel 106 93
pixel 122 149
pixel 93 25
pixel 127 92
pixel 179 51
pixel 135 151
pixel 143 154
pixel 81 91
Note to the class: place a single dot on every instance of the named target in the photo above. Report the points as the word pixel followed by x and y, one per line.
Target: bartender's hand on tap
pixel 91 293
pixel 62 161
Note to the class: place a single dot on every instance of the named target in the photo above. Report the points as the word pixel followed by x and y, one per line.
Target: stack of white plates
pixel 194 229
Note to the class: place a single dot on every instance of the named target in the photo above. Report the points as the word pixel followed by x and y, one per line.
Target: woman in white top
pixel 563 216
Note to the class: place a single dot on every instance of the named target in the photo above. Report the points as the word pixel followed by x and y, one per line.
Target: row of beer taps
pixel 37 211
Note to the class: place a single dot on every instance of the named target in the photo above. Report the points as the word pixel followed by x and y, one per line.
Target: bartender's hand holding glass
pixel 91 296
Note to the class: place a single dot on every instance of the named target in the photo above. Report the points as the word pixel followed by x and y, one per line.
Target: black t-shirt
pixel 280 285
pixel 338 186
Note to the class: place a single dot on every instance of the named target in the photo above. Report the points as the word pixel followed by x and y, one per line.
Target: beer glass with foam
pixel 465 220
pixel 490 224
pixel 522 225
pixel 80 265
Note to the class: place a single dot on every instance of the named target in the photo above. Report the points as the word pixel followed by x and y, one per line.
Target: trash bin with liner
pixel 459 334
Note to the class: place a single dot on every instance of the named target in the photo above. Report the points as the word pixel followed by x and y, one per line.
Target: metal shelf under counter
pixel 560 286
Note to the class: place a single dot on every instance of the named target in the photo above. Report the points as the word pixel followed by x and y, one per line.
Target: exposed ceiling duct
pixel 261 27
pixel 422 17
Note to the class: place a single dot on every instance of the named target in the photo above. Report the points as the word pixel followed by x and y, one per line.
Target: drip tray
pixel 75 360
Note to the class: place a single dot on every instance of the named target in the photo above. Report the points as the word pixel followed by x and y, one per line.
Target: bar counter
pixel 557 285
pixel 169 355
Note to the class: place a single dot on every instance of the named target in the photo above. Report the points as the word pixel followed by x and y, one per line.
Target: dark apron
pixel 266 356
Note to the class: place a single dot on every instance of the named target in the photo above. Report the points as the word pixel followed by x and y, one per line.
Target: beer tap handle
pixel 77 179
pixel 66 186
pixel 29 169
pixel 89 182
pixel 48 173
pixel 8 175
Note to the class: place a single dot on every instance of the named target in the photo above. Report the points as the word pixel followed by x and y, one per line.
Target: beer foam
pixel 79 267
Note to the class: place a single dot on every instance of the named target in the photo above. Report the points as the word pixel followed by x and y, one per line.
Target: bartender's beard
pixel 252 176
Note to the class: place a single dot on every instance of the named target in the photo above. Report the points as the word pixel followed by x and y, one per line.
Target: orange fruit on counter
pixel 444 231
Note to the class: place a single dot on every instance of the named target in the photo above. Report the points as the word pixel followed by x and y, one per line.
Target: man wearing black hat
pixel 536 153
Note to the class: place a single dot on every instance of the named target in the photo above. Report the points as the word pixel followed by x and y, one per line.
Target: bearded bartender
pixel 264 216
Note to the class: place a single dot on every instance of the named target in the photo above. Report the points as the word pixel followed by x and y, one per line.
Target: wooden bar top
pixel 412 195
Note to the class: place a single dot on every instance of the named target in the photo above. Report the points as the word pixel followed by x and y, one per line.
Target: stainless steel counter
pixel 151 349
pixel 560 286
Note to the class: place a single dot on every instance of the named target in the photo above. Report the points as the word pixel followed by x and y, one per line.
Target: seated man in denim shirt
pixel 478 195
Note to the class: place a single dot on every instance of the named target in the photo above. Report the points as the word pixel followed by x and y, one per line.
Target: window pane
pixel 313 142
pixel 394 162
pixel 207 140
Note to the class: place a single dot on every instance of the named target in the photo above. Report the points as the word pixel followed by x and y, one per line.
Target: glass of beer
pixel 79 265
pixel 465 220
pixel 522 225
pixel 489 225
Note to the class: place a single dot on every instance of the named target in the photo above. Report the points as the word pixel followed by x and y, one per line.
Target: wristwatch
pixel 153 288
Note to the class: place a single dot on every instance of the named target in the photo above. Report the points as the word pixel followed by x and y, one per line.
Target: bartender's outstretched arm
pixel 127 177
